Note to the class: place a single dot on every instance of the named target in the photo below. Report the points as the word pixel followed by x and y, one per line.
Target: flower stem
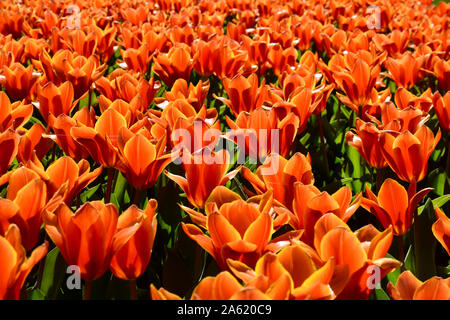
pixel 109 185
pixel 87 290
pixel 133 290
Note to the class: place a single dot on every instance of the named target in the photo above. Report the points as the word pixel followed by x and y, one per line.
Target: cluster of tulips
pixel 95 174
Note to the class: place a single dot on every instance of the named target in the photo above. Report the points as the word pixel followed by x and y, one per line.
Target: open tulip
pixel 90 237
pixel 238 229
pixel 13 115
pixel 408 287
pixel 175 64
pixel 55 100
pixel 407 154
pixel 205 170
pixel 9 142
pixel 393 206
pixel 131 261
pixel 15 265
pixel 18 81
pixel 364 254
pixel 310 204
pixel 25 200
pixel 280 174
pixel 142 161
pixel 405 70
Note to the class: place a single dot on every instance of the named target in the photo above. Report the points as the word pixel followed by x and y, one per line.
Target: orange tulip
pixel 243 93
pixel 405 70
pixel 357 84
pixel 68 66
pixel 442 72
pixel 34 143
pixel 363 259
pixel 194 135
pixel 15 266
pixel 290 274
pixel 177 63
pixel 400 120
pixel 195 95
pixel 441 229
pixel 408 287
pixel 62 126
pixel 9 142
pixel 162 294
pixel 407 154
pixel 13 115
pixel 142 161
pixel 18 81
pixel 282 59
pixel 442 109
pixel 365 140
pixel 238 229
pixel 393 206
pixel 205 170
pixel 262 131
pixel 137 59
pixel 55 100
pixel 25 199
pixel 77 176
pixel 90 237
pixel 102 141
pixel 404 99
pixel 131 261
pixel 310 204
pixel 279 175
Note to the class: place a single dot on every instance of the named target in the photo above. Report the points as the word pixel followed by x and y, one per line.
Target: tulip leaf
pixel 438 202
pixel 425 243
pixel 380 294
pixel 88 193
pixel 53 275
pixel 438 180
pixel 393 276
pixel 410 263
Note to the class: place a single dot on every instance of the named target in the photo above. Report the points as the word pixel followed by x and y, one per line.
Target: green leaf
pixel 54 272
pixel 410 263
pixel 438 202
pixel 393 276
pixel 86 195
pixel 425 243
pixel 380 294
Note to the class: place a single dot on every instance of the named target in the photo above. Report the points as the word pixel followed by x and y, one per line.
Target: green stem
pixel 322 142
pixel 109 185
pixel 401 251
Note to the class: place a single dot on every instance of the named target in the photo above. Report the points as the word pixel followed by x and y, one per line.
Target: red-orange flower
pixel 441 229
pixel 13 115
pixel 393 206
pixel 442 109
pixel 9 142
pixel 407 154
pixel 90 237
pixel 405 70
pixel 408 287
pixel 175 64
pixel 55 100
pixel 15 265
pixel 131 261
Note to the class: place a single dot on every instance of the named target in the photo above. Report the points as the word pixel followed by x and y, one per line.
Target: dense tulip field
pixel 224 149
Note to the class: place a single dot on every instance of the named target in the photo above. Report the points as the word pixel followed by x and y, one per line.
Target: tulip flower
pixel 205 170
pixel 15 266
pixel 13 115
pixel 441 229
pixel 9 142
pixel 442 72
pixel 102 141
pixel 55 100
pixel 238 229
pixel 407 154
pixel 142 161
pixel 279 175
pixel 282 59
pixel 177 63
pixel 34 144
pixel 131 261
pixel 408 287
pixel 310 204
pixel 393 206
pixel 195 95
pixel 442 109
pixel 290 274
pixel 243 93
pixel 137 59
pixel 404 98
pixel 25 199
pixel 18 81
pixel 66 170
pixel 68 66
pixel 400 120
pixel 357 84
pixel 194 135
pixel 365 140
pixel 262 131
pixel 363 257
pixel 405 70
pixel 90 237
pixel 62 126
